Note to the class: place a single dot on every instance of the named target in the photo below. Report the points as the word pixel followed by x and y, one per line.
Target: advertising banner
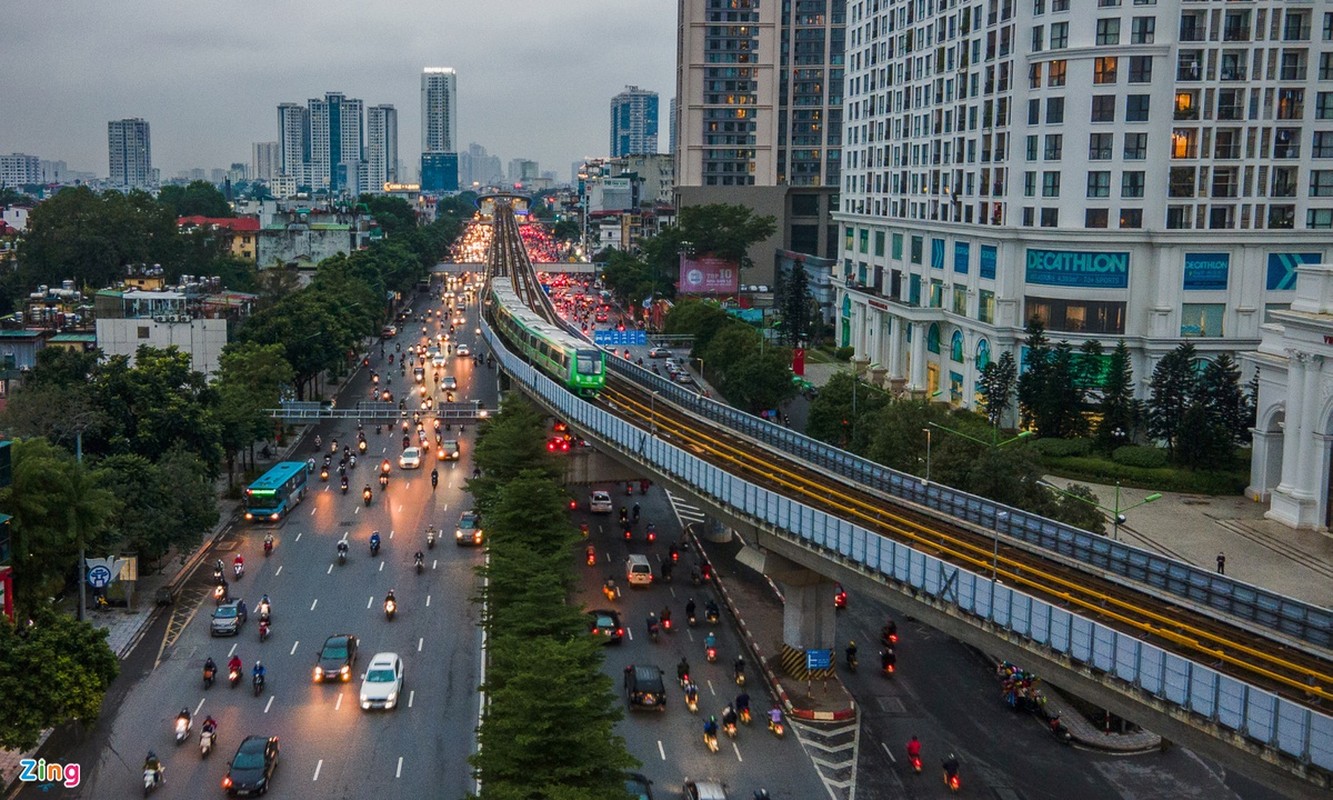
pixel 1206 271
pixel 708 274
pixel 1282 268
pixel 1081 269
pixel 962 253
pixel 988 259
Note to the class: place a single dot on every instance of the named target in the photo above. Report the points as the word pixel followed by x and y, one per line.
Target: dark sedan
pixel 336 658
pixel 606 625
pixel 252 768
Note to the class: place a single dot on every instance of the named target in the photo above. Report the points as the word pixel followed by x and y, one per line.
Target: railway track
pixel 1231 648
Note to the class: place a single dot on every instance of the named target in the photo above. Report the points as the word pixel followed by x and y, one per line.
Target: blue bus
pixel 276 492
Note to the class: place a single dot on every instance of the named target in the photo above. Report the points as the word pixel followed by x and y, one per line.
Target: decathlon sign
pixel 1077 268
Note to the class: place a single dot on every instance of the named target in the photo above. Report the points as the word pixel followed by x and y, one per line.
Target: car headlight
pixel 393 697
pixel 345 671
pixel 319 673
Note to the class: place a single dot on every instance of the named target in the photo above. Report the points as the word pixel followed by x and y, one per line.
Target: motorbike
pixel 692 701
pixel 609 589
pixel 361 445
pixel 239 569
pixel 915 763
pixel 710 740
pixel 258 682
pixel 205 743
pixel 711 616
pixel 182 729
pixel 952 781
pixel 744 714
pixel 691 620
pixel 740 676
pixel 779 730
pixel 390 608
pixel 1058 729
pixel 653 628
pixel 268 544
pixel 384 484
pixel 420 566
pixel 629 534
pixel 374 549
pixel 220 594
pixel 263 629
pixel 851 662
pixel 711 654
pixel 729 728
pixel 151 779
pixel 234 677
pixel 209 674
pixel 342 557
pixel 430 538
pixel 324 474
pixel 344 485
pixel 652 533
pixel 591 556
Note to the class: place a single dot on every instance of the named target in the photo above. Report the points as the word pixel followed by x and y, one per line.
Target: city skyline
pixel 209 98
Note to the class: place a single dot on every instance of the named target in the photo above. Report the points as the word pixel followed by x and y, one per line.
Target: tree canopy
pixel 198 199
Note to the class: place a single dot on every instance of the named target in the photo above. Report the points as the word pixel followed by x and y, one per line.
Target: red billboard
pixel 708 274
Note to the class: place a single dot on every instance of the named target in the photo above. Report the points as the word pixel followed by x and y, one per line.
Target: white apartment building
pixel 336 140
pixel 18 169
pixel 1145 170
pixel 381 147
pixel 439 110
pixel 130 154
pixel 265 160
pixel 293 142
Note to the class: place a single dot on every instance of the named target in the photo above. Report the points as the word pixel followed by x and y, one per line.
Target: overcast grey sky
pixel 535 78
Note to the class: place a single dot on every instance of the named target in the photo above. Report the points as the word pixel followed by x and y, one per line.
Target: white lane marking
pixel 312 512
pixel 737 748
pixel 370 602
pixel 888 752
pixel 298 538
pixel 412 693
pixel 269 704
pixel 201 705
pixel 630 633
pixel 391 533
pixel 330 572
pixel 232 651
pixel 661 751
pixel 710 688
pixel 400 508
pixel 318 764
pixel 398 773
pixel 420 642
pixel 277 572
pixel 381 566
pixel 338 704
pixel 356 510
pixel 428 598
pixel 313 603
pixel 434 563
pixel 294 644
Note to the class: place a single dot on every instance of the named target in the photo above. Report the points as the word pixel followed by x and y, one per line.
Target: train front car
pixel 589 371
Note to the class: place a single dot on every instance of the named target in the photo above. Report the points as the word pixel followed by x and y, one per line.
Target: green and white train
pixel 576 363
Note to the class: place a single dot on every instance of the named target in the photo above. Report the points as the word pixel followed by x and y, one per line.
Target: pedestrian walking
pixel 1221 563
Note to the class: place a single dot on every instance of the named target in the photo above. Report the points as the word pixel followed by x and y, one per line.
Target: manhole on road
pixel 891 705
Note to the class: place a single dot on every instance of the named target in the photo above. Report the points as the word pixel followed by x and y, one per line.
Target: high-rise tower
pixel 633 122
pixel 381 146
pixel 294 142
pixel 439 129
pixel 130 153
pixel 336 140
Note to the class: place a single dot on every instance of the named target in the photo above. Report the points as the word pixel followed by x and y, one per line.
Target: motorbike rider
pixel 185 716
pixel 682 670
pixel 210 668
pixel 434 478
pixel 775 715
pixel 742 702
pixel 738 666
pixel 344 483
pixel 652 623
pixel 728 717
pixel 914 748
pixel 366 491
pixel 634 513
pixel 710 641
pixel 389 598
pixel 710 727
pixel 152 764
pixel 887 658
pixel 950 766
pixel 234 665
pixel 710 609
pixel 210 725
pixel 851 651
pixel 265 608
pixel 238 562
pixel 420 557
pixel 689 609
pixel 665 616
pixel 259 671
pixel 375 540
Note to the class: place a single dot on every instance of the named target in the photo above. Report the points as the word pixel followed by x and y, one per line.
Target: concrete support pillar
pixel 715 531
pixel 918 378
pixel 809 619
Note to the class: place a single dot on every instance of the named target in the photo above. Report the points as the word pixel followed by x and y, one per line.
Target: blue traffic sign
pixel 99 577
pixel 818 659
pixel 632 337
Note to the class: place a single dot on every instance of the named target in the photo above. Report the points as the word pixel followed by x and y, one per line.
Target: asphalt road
pixel 330 748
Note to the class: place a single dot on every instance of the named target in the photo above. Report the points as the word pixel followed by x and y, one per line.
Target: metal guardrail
pixel 1297 619
pixel 1299 732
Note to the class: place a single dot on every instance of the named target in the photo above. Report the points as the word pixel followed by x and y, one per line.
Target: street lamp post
pixel 1117 512
pixel 926 431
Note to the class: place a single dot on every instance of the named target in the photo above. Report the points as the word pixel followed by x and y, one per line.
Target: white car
pixel 383 682
pixel 438 360
pixel 599 502
pixel 449 383
pixel 462 350
pixel 410 459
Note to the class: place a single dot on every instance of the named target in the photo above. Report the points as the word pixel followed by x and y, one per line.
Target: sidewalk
pixel 754 602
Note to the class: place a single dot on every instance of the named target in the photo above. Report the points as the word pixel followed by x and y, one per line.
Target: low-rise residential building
pixel 241 233
pixel 303 237
pixel 197 316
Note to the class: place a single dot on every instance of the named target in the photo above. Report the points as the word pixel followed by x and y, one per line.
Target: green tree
pixel 567 230
pixel 844 413
pixel 393 214
pixel 1203 440
pixel 509 442
pixel 1063 399
pixel 1171 393
pixel 170 503
pixel 1119 409
pixel 55 670
pixel 795 300
pixel 1033 392
pixel 1220 392
pixel 251 378
pixel 998 381
pixel 198 199
pixel 760 381
pixel 1084 513
pixel 55 505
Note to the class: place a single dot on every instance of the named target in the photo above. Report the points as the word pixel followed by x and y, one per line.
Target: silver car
pixel 228 619
pixel 383 682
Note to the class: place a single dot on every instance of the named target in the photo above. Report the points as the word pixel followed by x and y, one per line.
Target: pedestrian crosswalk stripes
pixel 685 513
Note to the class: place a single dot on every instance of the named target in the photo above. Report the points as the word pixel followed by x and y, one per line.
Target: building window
pixel 1321 183
pixel 1140 69
pixel 1141 30
pixel 1281 217
pixel 1038 7
pixel 1202 319
pixel 1136 146
pixel 1050 184
pixel 1055 74
pixel 917 244
pixel 1323 144
pixel 1059 35
pixel 1319 218
pixel 1059 5
pixel 1131 183
pixel 1108 31
pixel 1323 105
pixel 1034 112
pixel 1099 184
pixel 986 306
pixel 1108 3
pixel 1187 65
pixel 1103 69
pixel 1050 217
pixel 1055 145
pixel 1034 76
pixel 1077 316
pixel 956 347
pixel 1038 37
pixel 1029 184
pixel 1100 146
pixel 1029 216
pixel 1103 108
pixel 1136 108
pixel 1055 110
pixel 1181 182
pixel 1131 218
pixel 143 331
pixel 864 238
pixel 898 246
pixel 879 243
pixel 933 337
pixel 1032 148
pixel 960 299
pixel 937 294
pixel 1095 218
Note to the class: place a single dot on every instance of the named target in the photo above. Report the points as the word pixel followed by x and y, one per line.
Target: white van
pixel 638 570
